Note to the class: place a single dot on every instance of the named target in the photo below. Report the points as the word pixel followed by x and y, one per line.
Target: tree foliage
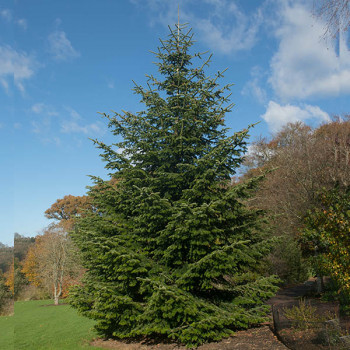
pixel 67 209
pixel 21 246
pixel 6 297
pixel 15 279
pixel 303 161
pixel 172 250
pixel 300 161
pixel 6 257
pixel 326 236
pixel 10 264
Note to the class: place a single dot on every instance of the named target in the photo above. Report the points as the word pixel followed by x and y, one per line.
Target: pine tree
pixel 172 250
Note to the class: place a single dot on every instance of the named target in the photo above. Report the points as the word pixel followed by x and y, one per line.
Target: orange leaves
pixel 67 209
pixel 51 262
pixel 10 278
pixel 30 264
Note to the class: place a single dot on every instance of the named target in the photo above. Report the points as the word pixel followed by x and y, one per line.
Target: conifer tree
pixel 172 250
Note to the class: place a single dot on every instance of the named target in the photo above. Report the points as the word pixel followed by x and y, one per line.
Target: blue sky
pixel 62 62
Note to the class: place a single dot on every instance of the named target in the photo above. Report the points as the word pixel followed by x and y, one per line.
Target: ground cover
pixel 38 325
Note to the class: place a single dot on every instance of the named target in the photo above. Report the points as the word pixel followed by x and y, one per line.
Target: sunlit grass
pixel 36 326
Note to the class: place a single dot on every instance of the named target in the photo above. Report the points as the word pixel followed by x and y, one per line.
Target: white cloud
pixel 226 28
pixel 6 14
pixel 41 127
pixel 42 108
pixel 22 23
pixel 277 115
pixel 303 65
pixel 253 86
pixel 16 65
pixel 72 126
pixel 60 47
pixel 51 140
pixel 4 84
pixel 37 108
pixel 72 123
pixel 76 125
pixel 73 113
pixel 236 34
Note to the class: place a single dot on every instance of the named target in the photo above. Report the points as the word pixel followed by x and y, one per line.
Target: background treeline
pixel 44 266
pixel 307 171
pixel 6 256
pixel 6 296
pixel 12 280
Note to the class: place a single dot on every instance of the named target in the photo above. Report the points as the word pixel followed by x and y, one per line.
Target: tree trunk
pixel 56 295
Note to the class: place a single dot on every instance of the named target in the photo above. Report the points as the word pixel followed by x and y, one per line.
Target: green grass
pixel 45 327
pixel 6 332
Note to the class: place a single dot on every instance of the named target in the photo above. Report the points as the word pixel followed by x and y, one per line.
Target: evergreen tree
pixel 172 250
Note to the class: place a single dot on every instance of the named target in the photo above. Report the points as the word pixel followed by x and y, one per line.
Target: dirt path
pixel 293 293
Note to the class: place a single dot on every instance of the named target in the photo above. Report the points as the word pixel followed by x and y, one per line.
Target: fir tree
pixel 172 250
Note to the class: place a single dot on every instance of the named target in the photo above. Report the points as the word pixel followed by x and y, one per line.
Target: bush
pixel 304 316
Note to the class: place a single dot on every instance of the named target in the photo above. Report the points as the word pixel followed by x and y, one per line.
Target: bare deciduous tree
pixel 305 161
pixel 336 14
pixel 51 261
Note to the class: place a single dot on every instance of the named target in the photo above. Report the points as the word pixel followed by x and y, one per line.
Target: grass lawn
pixel 45 327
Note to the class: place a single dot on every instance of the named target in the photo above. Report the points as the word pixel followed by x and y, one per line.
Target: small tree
pixel 51 260
pixel 172 249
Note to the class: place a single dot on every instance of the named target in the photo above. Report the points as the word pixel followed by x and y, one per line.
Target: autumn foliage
pixel 51 263
pixel 9 276
pixel 67 209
